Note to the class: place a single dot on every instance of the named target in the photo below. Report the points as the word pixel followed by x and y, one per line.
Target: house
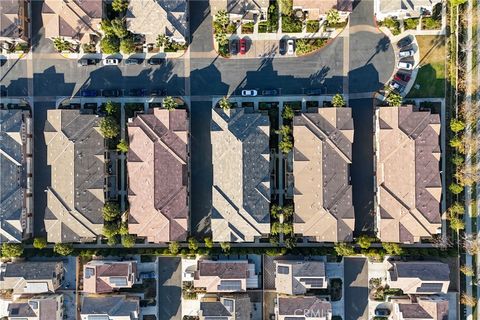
pixel 158 175
pixel 226 307
pixel 296 277
pixel 77 21
pixel 322 157
pixel 225 276
pixel 101 276
pixel 408 181
pixel 31 277
pixel 14 22
pixel 37 308
pixel 76 194
pixel 404 8
pixel 317 10
pixel 420 308
pixel 16 166
pixel 152 18
pixel 246 10
pixel 115 307
pixel 302 307
pixel 418 277
pixel 241 191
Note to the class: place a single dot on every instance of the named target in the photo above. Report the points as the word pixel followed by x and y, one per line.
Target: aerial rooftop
pixel 14 20
pixel 114 306
pixel 106 276
pixel 37 308
pixel 296 276
pixel 321 169
pixel 31 277
pixel 241 175
pixel 312 307
pixel 236 307
pixel 430 307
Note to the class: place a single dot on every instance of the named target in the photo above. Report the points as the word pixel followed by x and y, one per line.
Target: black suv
pixel 155 61
pixel 111 93
pixel 86 62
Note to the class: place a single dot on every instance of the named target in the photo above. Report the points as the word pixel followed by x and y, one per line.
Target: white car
pixel 110 62
pixel 249 93
pixel 405 65
pixel 290 47
pixel 406 53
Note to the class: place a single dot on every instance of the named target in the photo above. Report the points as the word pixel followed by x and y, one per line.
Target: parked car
pixel 397 86
pixel 406 53
pixel 282 49
pixel 405 65
pixel 234 46
pixel 269 92
pixel 137 92
pixel 155 61
pixel 158 92
pixel 243 46
pixel 148 275
pixel 132 61
pixel 111 93
pixel 290 47
pixel 89 93
pixel 86 62
pixel 382 312
pixel 111 62
pixel 249 93
pixel 402 77
pixel 314 92
pixel 405 41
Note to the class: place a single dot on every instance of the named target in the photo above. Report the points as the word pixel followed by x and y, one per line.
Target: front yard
pixel 430 81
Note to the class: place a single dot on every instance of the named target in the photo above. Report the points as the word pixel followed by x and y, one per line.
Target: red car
pixel 243 46
pixel 402 77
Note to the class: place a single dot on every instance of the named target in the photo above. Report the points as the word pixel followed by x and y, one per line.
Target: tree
pixel 127 45
pixel 12 250
pixel 456 224
pixel 468 300
pixel 110 44
pixel 169 103
pixel 222 39
pixel 63 249
pixel 394 99
pixel 111 211
pixel 275 211
pixel 455 188
pixel 458 160
pixel 286 7
pixel 287 113
pixel 192 244
pixel 276 228
pixel 111 108
pixel 173 247
pixel 333 17
pixel 456 142
pixel 119 28
pixel 467 270
pixel 338 101
pixel 224 103
pixel 119 5
pixel 456 208
pixel 457 2
pixel 284 131
pixel 344 249
pixel 123 230
pixel 287 228
pixel 122 146
pixel 61 45
pixel 39 243
pixel 287 211
pixel 110 230
pixel 457 125
pixel 162 40
pixel 286 145
pixel 225 246
pixel 392 249
pixel 364 241
pixel 208 242
pixel 221 17
pixel 128 240
pixel 109 127
pixel 290 242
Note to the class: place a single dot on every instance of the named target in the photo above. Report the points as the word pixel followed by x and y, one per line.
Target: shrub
pixel 287 113
pixel 457 125
pixel 344 249
pixel 39 243
pixel 122 146
pixel 286 6
pixel 456 224
pixel 12 250
pixel 119 5
pixel 394 99
pixel 127 45
pixel 173 247
pixel 111 211
pixel 109 127
pixel 110 230
pixel 128 240
pixel 455 188
pixel 313 26
pixel 333 17
pixel 111 108
pixel 291 24
pixel 63 249
pixel 208 242
pixel 338 101
pixel 364 241
pixel 410 24
pixel 169 103
pixel 392 248
pixel 225 246
pixel 224 103
pixel 61 45
pixel 110 44
pixel 305 46
pixel 456 208
pixel 467 270
pixel 458 160
pixel 192 244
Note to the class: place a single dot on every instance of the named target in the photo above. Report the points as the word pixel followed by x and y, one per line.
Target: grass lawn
pixel 431 76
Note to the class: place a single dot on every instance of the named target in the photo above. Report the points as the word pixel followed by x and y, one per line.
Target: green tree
pixel 128 240
pixel 63 249
pixel 111 108
pixel 39 243
pixel 173 247
pixel 119 5
pixel 222 39
pixel 284 131
pixel 392 249
pixel 455 188
pixel 344 249
pixel 287 211
pixel 333 17
pixel 288 113
pixel 208 242
pixel 110 230
pixel 364 241
pixel 119 28
pixel 12 250
pixel 290 242
pixel 287 228
pixel 123 230
pixel 224 103
pixel 455 142
pixel 394 99
pixel 276 228
pixel 61 45
pixel 275 211
pixel 169 103
pixel 338 101
pixel 456 209
pixel 457 125
pixel 456 224
pixel 122 146
pixel 110 44
pixel 162 40
pixel 221 17
pixel 286 7
pixel 109 127
pixel 192 244
pixel 286 145
pixel 127 45
pixel 458 160
pixel 225 246
pixel 111 211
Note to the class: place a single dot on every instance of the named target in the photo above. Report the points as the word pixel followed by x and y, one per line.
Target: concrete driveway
pixel 356 288
pixel 170 288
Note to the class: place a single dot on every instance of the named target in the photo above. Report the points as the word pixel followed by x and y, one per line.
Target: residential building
pixel 158 175
pixel 225 276
pixel 322 157
pixel 419 308
pixel 76 194
pixel 101 276
pixel 302 307
pixel 115 307
pixel 14 23
pixel 409 186
pixel 246 10
pixel 296 277
pixel 317 10
pixel 16 166
pixel 230 307
pixel 152 18
pixel 241 175
pixel 418 277
pixel 31 277
pixel 404 9
pixel 77 21
pixel 37 308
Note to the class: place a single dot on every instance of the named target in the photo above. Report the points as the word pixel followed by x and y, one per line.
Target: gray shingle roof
pixel 118 305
